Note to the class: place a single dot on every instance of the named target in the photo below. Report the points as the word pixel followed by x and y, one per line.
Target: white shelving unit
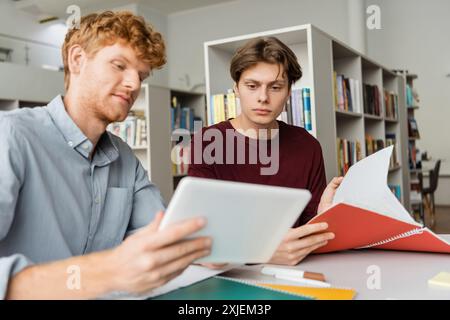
pixel 155 156
pixel 415 198
pixel 320 55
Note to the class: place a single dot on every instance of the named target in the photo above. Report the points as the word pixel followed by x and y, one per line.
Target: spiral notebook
pixel 366 214
pixel 357 228
pixel 219 288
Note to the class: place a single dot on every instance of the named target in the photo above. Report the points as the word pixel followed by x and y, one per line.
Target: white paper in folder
pixel 365 185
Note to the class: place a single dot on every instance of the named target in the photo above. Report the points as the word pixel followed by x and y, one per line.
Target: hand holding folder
pixel 366 214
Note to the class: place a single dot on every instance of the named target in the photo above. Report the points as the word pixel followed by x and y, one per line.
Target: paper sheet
pixel 365 186
pixel 191 275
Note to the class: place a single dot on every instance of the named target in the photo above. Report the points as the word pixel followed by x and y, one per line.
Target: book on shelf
pixel 366 215
pixel 414 156
pixel 373 145
pixel 297 111
pixel 413 129
pixel 392 141
pixel 372 100
pixel 306 99
pixel 182 117
pixel 223 107
pixel 348 153
pixel 391 105
pixel 409 96
pixel 412 97
pixel 397 191
pixel 347 93
pixel 132 130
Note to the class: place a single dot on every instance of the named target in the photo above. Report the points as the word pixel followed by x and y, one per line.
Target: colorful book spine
pixel 348 153
pixel 306 98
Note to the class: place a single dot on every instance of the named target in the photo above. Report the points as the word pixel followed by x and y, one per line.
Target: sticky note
pixel 442 279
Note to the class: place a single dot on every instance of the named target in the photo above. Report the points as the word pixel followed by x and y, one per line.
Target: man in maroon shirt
pixel 256 148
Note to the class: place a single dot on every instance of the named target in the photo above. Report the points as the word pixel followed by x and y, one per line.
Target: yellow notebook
pixel 318 293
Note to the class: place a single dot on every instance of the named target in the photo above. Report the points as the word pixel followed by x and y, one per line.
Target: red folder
pixel 357 228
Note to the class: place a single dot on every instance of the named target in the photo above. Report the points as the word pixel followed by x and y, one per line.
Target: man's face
pixel 263 91
pixel 110 81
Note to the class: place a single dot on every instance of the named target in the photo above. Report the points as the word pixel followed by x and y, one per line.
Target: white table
pixel 403 275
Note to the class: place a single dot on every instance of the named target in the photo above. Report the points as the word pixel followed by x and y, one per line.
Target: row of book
pixel 182 117
pixel 298 109
pixel 348 153
pixel 397 191
pixel 372 100
pixel 296 112
pixel 132 130
pixel 391 105
pixel 347 93
pixel 223 107
pixel 373 145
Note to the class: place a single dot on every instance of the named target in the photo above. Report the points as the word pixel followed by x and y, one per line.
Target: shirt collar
pixel 74 137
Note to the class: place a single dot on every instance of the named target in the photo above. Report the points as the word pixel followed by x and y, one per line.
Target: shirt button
pixel 70 143
pixel 97 200
pixel 85 146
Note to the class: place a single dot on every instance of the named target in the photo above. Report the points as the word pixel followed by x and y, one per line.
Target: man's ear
pixel 235 89
pixel 75 58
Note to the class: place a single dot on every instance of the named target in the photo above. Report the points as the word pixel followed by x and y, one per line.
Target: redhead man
pixel 76 206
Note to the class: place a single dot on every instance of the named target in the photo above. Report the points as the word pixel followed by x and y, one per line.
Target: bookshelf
pixel 324 58
pixel 412 104
pixel 154 151
pixel 134 129
pixel 186 108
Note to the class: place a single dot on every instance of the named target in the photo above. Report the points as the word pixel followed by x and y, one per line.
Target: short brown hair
pixel 99 30
pixel 267 49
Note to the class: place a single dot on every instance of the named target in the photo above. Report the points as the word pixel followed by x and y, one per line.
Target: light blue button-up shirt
pixel 54 201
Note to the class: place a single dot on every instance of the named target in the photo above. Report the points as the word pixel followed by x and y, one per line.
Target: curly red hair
pixel 104 29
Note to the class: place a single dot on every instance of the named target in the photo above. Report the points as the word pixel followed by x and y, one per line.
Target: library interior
pixel 347 100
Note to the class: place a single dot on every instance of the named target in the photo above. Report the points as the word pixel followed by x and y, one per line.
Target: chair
pixel 428 193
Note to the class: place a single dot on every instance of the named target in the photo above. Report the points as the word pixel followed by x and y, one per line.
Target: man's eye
pixel 276 88
pixel 251 86
pixel 119 66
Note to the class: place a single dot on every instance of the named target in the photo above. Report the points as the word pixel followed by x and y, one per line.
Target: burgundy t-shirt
pixel 300 163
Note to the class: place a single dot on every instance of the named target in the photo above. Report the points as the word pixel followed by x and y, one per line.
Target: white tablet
pixel 246 222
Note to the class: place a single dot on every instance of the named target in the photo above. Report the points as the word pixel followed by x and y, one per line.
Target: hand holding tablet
pixel 246 221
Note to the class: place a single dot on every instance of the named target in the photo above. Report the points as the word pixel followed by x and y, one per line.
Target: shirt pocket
pixel 115 217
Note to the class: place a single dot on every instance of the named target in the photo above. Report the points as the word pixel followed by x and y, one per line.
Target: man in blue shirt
pixel 70 192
